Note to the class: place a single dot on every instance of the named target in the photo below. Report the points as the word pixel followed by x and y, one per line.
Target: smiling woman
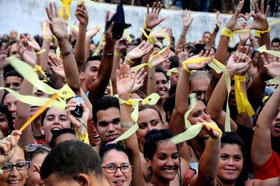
pixel 15 170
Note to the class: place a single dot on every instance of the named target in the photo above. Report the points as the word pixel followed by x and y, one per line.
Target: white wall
pixel 26 16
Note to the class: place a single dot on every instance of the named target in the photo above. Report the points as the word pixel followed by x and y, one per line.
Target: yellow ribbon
pixel 47 38
pixel 98 48
pixel 172 70
pixel 57 52
pixel 150 37
pixel 65 4
pixel 274 81
pixel 111 88
pixel 40 111
pixel 242 102
pixel 39 69
pixel 152 99
pixel 75 27
pixel 27 72
pixel 219 68
pixel 271 52
pixel 127 36
pixel 83 137
pixel 194 61
pixel 259 32
pixel 138 67
pixel 35 101
pixel 40 52
pixel 192 130
pixel 229 33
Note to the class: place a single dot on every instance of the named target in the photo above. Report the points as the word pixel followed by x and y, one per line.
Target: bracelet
pixel 214 139
pixel 145 26
pixel 128 60
pixel 227 32
pixel 258 32
pixel 127 124
pixel 117 54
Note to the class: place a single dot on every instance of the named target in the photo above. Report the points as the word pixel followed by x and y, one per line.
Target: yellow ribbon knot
pixel 152 99
pixel 193 130
pixel 172 70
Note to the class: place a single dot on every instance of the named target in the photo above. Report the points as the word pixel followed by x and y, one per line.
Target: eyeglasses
pixel 7 167
pixel 33 147
pixel 112 168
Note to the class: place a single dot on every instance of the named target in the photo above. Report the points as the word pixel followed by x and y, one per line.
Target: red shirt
pixel 270 169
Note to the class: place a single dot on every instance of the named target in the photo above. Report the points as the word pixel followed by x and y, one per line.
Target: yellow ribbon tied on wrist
pixel 152 99
pixel 242 102
pixel 192 130
pixel 127 36
pixel 198 60
pixel 172 70
pixel 219 68
pixel 138 67
pixel 150 37
pixel 229 33
pixel 65 5
pixel 28 73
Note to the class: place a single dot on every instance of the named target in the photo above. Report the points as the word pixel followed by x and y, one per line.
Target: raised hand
pixel 218 19
pixel 81 14
pixel 271 65
pixel 239 62
pixel 157 58
pixel 3 56
pixel 92 32
pixel 58 25
pixel 125 80
pixel 139 78
pixel 120 45
pixel 139 51
pixel 187 19
pixel 47 34
pixel 232 23
pixel 56 65
pixel 199 66
pixel 152 19
pixel 260 19
pixel 7 146
pixel 26 51
pixel 71 105
pixel 110 41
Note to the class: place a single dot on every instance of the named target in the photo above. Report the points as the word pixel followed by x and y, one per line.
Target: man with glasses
pixel 72 163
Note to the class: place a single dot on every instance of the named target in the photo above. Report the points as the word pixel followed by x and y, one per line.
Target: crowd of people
pixel 144 110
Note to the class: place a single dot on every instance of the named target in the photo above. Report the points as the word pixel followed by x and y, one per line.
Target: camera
pixel 78 112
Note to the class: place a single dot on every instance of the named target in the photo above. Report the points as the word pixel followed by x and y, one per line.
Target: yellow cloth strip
pixel 152 99
pixel 65 5
pixel 193 131
pixel 263 49
pixel 47 38
pixel 127 36
pixel 40 52
pixel 192 105
pixel 138 67
pixel 39 69
pixel 194 61
pixel 274 81
pixel 229 33
pixel 38 113
pixel 150 38
pixel 98 48
pixel 242 102
pixel 111 88
pixel 172 70
pixel 83 137
pixel 259 32
pixel 35 101
pixel 219 68
pixel 28 73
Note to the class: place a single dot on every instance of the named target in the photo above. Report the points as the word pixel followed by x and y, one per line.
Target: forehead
pixel 93 63
pixel 53 111
pixel 13 79
pixel 231 149
pixel 108 114
pixel 114 156
pixel 200 82
pixel 166 146
pixel 147 115
pixel 19 155
pixel 160 76
pixel 9 98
